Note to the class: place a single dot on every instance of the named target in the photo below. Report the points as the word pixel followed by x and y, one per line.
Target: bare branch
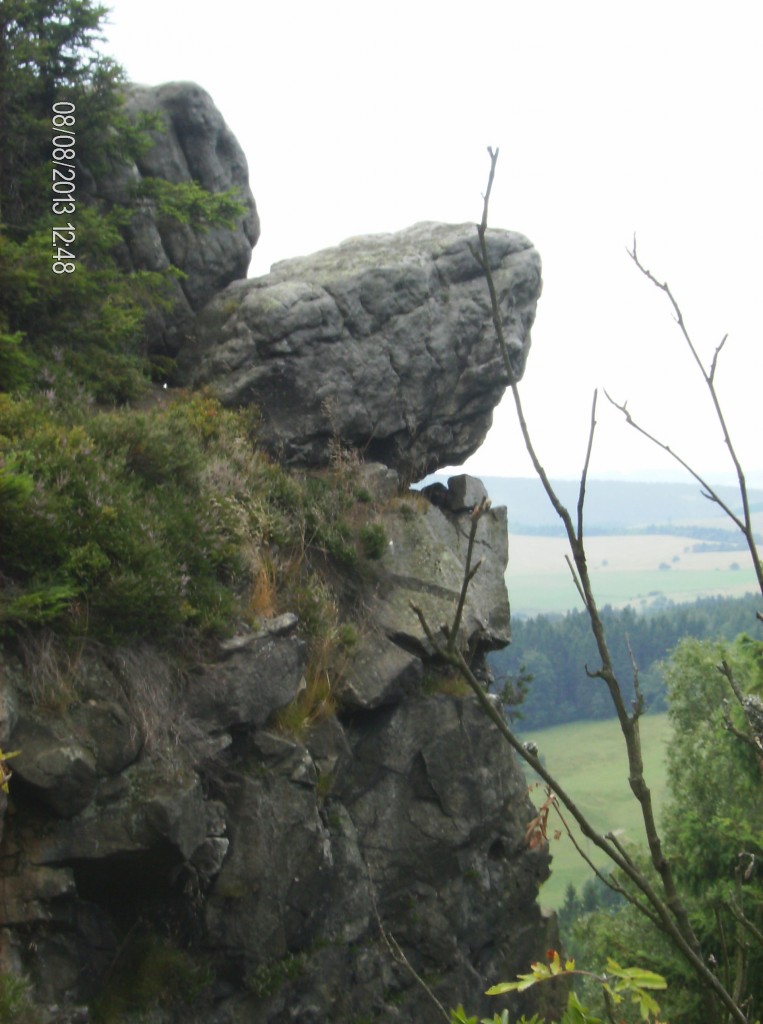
pixel 584 474
pixel 714 364
pixel 575 580
pixel 671 912
pixel 638 704
pixel 477 513
pixel 398 954
pixel 707 489
pixel 606 879
pixel 745 522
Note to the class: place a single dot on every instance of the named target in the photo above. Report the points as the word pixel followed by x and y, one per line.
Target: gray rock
pixel 268 897
pixel 424 564
pixel 250 685
pixel 380 673
pixel 63 754
pixel 160 807
pixel 385 344
pixel 464 493
pixel 195 145
pixel 26 896
pixel 58 767
pixel 209 856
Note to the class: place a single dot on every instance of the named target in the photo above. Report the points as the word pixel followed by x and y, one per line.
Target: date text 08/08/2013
pixel 63 186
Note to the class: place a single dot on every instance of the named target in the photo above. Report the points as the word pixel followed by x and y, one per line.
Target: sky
pixel 613 119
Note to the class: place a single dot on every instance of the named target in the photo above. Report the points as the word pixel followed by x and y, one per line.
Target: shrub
pixel 373 540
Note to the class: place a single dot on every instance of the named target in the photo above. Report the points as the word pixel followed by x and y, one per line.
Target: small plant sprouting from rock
pixel 267 979
pixel 15 1004
pixel 373 540
pixel 5 772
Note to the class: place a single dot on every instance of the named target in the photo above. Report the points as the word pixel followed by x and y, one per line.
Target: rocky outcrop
pixel 194 144
pixel 423 567
pixel 384 344
pixel 151 802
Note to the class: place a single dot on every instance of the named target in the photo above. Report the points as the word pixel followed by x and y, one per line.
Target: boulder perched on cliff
pixel 194 145
pixel 384 344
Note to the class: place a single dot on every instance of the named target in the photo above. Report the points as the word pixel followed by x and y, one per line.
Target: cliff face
pixel 175 847
pixel 146 802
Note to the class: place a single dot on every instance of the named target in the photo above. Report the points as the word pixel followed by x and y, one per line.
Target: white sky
pixel 612 118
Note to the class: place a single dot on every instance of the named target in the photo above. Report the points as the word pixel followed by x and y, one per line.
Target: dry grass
pixel 53 675
pixel 263 599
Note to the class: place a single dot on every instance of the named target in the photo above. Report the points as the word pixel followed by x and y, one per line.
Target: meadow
pixel 589 758
pixel 640 570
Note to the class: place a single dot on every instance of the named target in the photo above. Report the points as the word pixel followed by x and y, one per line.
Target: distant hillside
pixel 615 506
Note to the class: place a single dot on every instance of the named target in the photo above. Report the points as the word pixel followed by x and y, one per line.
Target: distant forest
pixel 554 651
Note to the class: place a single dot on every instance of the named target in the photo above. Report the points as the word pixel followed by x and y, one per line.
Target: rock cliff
pixel 171 850
pixel 149 801
pixel 386 341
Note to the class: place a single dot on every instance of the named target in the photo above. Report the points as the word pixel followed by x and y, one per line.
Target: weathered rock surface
pixel 195 145
pixel 385 343
pixel 274 861
pixel 423 566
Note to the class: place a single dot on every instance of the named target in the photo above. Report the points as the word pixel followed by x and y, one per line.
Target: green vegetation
pixel 713 827
pixel 167 523
pixel 151 973
pixel 268 978
pixel 589 757
pixel 68 332
pixel 16 1006
pixel 554 651
pixel 373 540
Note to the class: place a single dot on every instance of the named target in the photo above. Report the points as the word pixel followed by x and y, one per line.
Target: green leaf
pixel 637 976
pixel 576 1013
pixel 646 1004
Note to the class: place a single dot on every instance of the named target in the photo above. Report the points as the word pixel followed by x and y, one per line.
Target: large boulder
pixel 194 144
pixel 385 344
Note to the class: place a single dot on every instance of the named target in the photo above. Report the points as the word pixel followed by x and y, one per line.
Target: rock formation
pixel 160 828
pixel 385 342
pixel 194 145
pixel 141 797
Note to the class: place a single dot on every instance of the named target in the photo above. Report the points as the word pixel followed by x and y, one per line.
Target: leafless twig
pixel 743 522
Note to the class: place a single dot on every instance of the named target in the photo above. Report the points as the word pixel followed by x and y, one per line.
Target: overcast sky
pixel 611 117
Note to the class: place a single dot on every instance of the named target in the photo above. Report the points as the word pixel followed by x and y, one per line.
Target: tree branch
pixel 744 523
pixel 671 912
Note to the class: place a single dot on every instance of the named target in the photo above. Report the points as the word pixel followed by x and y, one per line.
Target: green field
pixel 589 759
pixel 638 570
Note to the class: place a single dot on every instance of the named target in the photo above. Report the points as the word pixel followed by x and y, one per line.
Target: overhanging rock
pixel 385 344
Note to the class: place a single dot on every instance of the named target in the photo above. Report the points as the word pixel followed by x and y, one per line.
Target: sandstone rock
pixel 250 685
pixel 278 857
pixel 60 770
pixel 267 897
pixel 195 145
pixel 26 897
pixel 62 755
pixel 380 673
pixel 423 564
pixel 384 343
pixel 158 807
